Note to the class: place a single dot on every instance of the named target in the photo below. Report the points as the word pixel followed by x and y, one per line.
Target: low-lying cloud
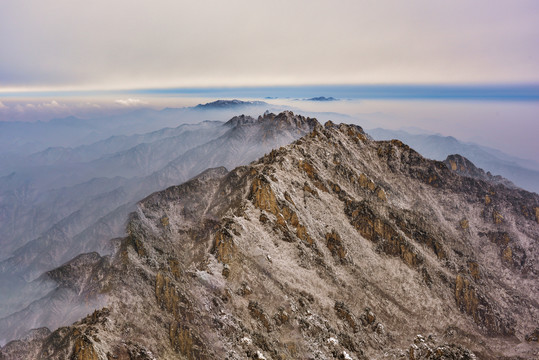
pixel 130 102
pixel 44 110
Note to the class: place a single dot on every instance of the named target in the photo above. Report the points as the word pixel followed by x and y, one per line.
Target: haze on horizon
pixel 100 45
pixel 71 57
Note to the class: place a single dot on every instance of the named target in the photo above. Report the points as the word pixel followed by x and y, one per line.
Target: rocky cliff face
pixel 524 173
pixel 335 246
pixel 465 167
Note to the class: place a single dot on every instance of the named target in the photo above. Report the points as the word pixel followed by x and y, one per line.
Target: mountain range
pixel 87 214
pixel 19 139
pixel 334 246
pixel 524 173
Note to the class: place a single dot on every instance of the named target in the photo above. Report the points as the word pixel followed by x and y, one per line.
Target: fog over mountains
pixel 52 213
pixel 58 200
pixel 333 246
pixel 18 137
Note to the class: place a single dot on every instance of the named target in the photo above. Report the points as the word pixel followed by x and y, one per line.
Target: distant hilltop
pixel 223 104
pixel 322 98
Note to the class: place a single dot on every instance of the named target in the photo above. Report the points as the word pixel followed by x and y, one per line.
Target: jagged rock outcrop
pixel 335 246
pixel 465 167
pixel 521 172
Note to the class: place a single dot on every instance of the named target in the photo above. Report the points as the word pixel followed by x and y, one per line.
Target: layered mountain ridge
pixel 87 215
pixel 335 246
pixel 465 167
pixel 524 173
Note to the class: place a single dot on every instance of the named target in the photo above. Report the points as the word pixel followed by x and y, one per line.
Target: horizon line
pixel 405 91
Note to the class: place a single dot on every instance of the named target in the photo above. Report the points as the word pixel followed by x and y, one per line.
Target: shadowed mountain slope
pixel 524 173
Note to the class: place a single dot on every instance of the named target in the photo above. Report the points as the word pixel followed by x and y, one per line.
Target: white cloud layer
pixel 130 102
pixel 52 104
pixel 125 44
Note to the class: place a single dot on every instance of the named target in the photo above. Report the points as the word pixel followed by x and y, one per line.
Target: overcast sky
pixel 123 44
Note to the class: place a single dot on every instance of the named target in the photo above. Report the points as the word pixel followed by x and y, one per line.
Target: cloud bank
pixel 130 102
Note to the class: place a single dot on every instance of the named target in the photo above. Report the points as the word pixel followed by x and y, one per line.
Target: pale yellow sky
pixel 121 44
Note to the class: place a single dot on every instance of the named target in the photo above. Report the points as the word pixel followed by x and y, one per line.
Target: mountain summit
pixel 335 246
pixel 227 104
pixel 271 125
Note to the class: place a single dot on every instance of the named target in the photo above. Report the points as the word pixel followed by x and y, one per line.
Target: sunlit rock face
pixel 335 246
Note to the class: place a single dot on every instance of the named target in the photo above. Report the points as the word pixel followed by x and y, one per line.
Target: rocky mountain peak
pixel 240 120
pixel 287 119
pixel 270 129
pixel 465 167
pixel 224 104
pixel 74 273
pixel 335 246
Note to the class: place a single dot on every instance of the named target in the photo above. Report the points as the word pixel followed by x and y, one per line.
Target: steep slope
pixel 241 143
pixel 524 173
pixel 27 196
pixel 247 139
pixel 102 216
pixel 71 295
pixel 465 167
pixel 335 246
pixel 111 145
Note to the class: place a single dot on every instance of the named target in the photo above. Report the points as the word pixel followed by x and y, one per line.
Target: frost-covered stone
pixel 400 265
